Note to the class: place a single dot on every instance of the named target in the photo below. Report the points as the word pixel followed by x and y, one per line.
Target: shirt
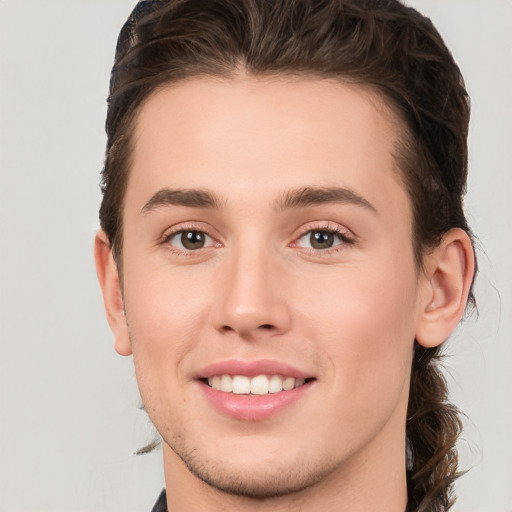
pixel 161 503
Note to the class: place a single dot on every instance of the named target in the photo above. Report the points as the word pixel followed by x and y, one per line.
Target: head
pixel 380 51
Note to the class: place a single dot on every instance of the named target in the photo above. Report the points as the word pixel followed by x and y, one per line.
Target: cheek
pixel 365 333
pixel 164 320
pixel 364 322
pixel 164 314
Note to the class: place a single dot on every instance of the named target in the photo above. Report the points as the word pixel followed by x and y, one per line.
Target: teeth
pixel 299 382
pixel 288 383
pixel 226 383
pixel 259 385
pixel 241 384
pixel 275 384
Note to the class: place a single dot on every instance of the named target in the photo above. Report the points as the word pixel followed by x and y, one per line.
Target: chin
pixel 247 483
pixel 255 479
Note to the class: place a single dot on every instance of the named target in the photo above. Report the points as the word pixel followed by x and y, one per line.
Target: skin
pixel 346 315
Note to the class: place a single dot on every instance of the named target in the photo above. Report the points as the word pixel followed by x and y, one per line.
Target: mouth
pixel 254 391
pixel 258 385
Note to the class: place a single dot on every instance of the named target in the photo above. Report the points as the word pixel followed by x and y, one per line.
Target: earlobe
pixel 108 278
pixel 448 276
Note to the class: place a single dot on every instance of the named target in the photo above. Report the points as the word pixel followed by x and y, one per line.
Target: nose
pixel 252 300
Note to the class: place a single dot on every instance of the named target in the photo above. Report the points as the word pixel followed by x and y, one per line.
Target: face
pixel 269 285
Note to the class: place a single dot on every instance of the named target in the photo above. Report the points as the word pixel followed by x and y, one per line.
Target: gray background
pixel 69 414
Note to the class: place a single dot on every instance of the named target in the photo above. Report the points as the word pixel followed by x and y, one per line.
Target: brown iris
pixel 192 239
pixel 321 239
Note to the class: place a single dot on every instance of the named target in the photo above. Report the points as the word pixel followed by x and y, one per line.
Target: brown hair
pixel 380 43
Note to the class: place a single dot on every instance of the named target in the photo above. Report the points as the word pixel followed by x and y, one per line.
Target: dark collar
pixel 161 503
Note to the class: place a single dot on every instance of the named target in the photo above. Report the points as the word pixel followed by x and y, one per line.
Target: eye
pixel 190 240
pixel 322 239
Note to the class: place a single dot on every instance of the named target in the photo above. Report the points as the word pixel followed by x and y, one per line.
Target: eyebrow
pixel 309 196
pixel 292 199
pixel 193 198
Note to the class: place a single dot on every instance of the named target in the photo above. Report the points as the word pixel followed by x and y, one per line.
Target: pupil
pixel 321 240
pixel 192 239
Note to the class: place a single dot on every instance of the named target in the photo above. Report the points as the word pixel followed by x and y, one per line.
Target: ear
pixel 448 276
pixel 108 277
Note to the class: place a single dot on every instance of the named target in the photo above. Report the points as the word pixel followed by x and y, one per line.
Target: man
pixel 283 249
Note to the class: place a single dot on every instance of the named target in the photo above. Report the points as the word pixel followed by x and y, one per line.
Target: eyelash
pixel 169 235
pixel 327 228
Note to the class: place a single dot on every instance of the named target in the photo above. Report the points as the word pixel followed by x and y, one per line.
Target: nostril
pixel 246 332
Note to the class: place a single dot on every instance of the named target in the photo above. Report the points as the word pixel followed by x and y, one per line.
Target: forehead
pixel 263 136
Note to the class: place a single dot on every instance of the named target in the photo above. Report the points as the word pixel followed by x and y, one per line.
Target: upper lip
pixel 252 369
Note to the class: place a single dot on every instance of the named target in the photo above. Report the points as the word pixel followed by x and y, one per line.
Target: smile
pixel 254 390
pixel 258 385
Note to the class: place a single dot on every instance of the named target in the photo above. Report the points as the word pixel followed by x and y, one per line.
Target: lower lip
pixel 253 407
